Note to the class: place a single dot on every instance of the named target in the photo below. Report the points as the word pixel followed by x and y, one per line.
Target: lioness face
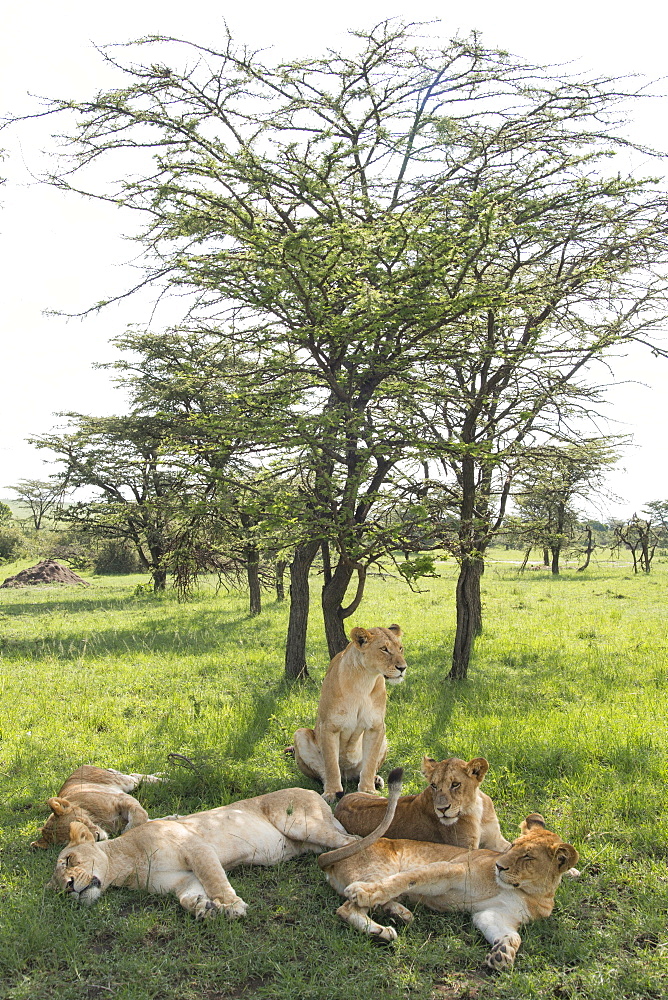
pixel 81 867
pixel 535 861
pixel 382 651
pixel 454 785
pixel 56 830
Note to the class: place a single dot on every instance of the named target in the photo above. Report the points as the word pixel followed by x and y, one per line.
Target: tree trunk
pixel 525 560
pixel 281 565
pixel 253 576
pixel 556 551
pixel 333 595
pixel 546 556
pixel 159 579
pixel 588 552
pixel 295 644
pixel 469 615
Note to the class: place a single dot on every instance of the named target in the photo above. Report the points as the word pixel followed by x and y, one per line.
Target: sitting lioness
pixel 502 890
pixel 96 797
pixel 187 855
pixel 348 741
pixel 450 810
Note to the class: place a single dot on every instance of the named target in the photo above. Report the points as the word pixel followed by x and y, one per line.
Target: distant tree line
pixel 402 263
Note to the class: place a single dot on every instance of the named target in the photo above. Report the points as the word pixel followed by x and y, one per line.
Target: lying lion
pixel 502 890
pixel 450 810
pixel 348 741
pixel 96 797
pixel 188 855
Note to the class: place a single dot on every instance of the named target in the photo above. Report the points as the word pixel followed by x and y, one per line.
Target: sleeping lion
pixel 188 855
pixel 97 797
pixel 502 890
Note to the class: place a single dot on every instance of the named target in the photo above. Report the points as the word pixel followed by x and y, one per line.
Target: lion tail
pixel 394 791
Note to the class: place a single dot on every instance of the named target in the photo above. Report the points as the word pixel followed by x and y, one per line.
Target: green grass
pixel 566 699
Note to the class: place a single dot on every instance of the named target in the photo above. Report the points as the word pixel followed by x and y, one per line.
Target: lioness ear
pixel 477 768
pixel 428 765
pixel 566 856
pixel 80 834
pixel 41 843
pixel 535 819
pixel 396 629
pixel 361 635
pixel 58 806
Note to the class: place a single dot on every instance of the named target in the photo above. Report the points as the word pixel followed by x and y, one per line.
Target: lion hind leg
pixel 398 911
pixel 308 757
pixel 361 921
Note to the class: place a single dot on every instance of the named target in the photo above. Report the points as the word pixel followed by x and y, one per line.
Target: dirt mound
pixel 46 571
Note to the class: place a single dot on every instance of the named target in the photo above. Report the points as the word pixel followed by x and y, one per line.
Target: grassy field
pixel 566 698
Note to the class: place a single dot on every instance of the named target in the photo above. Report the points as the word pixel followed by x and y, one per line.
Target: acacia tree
pixel 546 495
pixel 39 496
pixel 640 538
pixel 137 487
pixel 381 225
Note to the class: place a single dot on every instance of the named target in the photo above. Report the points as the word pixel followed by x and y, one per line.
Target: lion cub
pixel 450 810
pixel 96 797
pixel 348 741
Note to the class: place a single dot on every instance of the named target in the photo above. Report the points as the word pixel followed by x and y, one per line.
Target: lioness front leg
pixel 211 875
pixel 330 741
pixel 374 751
pixel 131 813
pixel 426 880
pixel 502 935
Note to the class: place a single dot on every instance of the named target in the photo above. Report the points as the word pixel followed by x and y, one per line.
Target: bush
pixel 115 558
pixel 12 542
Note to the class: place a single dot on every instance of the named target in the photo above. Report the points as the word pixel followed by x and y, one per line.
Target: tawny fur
pixel 188 855
pixel 98 798
pixel 348 742
pixel 450 810
pixel 502 890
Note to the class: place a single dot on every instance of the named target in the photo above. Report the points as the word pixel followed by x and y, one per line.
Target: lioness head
pixel 56 830
pixel 81 869
pixel 381 650
pixel 535 861
pixel 454 785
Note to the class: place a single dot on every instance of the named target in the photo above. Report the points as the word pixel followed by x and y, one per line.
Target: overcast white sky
pixel 61 253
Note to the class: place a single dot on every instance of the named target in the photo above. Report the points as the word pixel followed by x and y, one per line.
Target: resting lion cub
pixel 450 810
pixel 187 855
pixel 502 890
pixel 349 737
pixel 96 797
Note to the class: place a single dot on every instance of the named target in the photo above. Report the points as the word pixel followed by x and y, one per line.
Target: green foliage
pixel 114 558
pixel 13 542
pixel 421 565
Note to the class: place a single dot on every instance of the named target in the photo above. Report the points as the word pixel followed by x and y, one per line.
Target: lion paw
pixel 204 908
pixel 332 797
pixel 363 894
pixel 236 909
pixel 386 935
pixel 398 912
pixel 501 956
pixel 379 784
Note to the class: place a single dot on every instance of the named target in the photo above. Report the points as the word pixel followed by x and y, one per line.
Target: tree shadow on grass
pixel 202 633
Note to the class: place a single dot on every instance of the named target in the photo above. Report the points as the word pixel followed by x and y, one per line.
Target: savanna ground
pixel 566 698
